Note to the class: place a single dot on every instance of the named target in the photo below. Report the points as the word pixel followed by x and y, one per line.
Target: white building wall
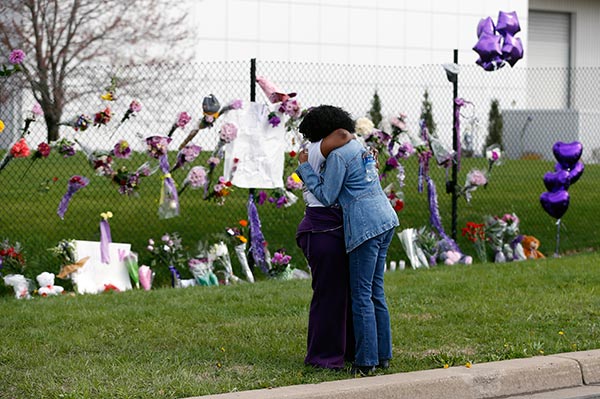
pixel 377 32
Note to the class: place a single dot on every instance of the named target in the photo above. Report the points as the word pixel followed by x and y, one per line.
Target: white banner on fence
pixel 259 148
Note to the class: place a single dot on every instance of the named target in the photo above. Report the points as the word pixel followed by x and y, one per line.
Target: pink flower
pixel 196 177
pixel 43 150
pixel 135 106
pixel 236 104
pixel 213 161
pixel 228 132
pixel 122 149
pixel 290 108
pixel 16 56
pixel 37 109
pixel 183 119
pixel 20 149
pixel 476 178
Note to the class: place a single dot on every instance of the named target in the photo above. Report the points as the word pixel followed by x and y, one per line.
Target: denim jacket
pixel 367 210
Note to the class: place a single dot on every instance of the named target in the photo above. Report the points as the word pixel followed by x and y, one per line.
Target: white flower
pixel 364 126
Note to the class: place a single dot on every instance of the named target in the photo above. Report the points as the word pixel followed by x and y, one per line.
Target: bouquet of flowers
pixel 513 249
pixel 202 270
pixel 475 178
pixel 15 59
pixel 220 190
pixel 186 155
pixel 12 260
pixel 495 228
pixel 80 122
pixel 475 232
pixel 240 242
pixel 182 120
pixel 494 156
pixel 64 147
pixel 293 182
pixel 121 149
pixel 102 118
pixel 66 253
pixel 196 178
pixel 168 252
pixel 280 265
pixel 75 184
pixel 427 241
pixel 219 254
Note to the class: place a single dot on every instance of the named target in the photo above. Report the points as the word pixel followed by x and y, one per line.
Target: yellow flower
pixel 296 178
pixel 446 365
pixel 222 349
pixel 541 351
pixel 108 96
pixel 468 365
pixel 106 215
pixel 1 125
pixel 561 333
pixel 242 239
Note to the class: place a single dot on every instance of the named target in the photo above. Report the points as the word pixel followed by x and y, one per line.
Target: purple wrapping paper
pixel 257 239
pixel 105 240
pixel 75 183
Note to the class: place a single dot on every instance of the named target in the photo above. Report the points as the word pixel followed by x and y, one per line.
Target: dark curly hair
pixel 320 121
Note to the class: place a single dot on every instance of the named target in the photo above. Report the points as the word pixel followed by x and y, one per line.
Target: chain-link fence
pixel 538 107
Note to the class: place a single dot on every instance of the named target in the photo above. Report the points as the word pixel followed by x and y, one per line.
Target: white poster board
pixel 259 147
pixel 94 276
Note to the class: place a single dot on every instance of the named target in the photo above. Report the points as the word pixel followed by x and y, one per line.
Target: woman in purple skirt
pixel 320 235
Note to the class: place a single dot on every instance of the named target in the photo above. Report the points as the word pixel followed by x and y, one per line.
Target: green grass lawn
pixel 173 343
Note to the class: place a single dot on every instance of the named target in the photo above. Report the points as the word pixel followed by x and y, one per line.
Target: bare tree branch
pixel 60 36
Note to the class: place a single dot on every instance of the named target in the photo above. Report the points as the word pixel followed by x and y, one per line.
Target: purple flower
pixel 213 161
pixel 392 162
pixel 122 149
pixel 16 56
pixel 186 155
pixel 157 146
pixel 196 177
pixel 290 108
pixel 228 132
pixel 37 110
pixel 262 197
pixel 236 104
pixel 274 120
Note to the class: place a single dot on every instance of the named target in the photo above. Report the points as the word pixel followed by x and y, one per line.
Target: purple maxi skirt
pixel 330 340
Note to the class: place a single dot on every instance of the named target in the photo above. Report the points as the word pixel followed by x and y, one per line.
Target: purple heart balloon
pixel 512 49
pixel 575 172
pixel 488 47
pixel 508 23
pixel 493 65
pixel 486 25
pixel 556 181
pixel 555 204
pixel 567 154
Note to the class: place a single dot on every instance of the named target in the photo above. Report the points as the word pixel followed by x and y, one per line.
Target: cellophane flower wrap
pixel 186 155
pixel 146 277
pixel 12 260
pixel 168 204
pixel 494 231
pixel 75 184
pixel 219 254
pixel 240 244
pixel 168 252
pixel 475 178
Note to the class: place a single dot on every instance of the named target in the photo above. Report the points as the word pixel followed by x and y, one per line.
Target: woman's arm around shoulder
pixel 336 139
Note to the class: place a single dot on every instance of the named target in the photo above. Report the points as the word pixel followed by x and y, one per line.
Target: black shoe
pixel 362 371
pixel 384 364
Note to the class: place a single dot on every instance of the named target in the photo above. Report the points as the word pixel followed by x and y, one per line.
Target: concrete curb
pixel 486 380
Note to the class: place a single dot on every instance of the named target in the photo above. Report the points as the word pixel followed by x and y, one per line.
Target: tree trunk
pixel 52 121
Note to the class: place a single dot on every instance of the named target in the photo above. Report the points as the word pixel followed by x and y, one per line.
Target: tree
pixel 59 37
pixel 427 114
pixel 495 124
pixel 375 112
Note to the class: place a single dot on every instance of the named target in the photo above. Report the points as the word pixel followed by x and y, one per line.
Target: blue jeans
pixel 372 329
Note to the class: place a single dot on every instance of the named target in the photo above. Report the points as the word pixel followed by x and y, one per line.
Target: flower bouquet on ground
pixel 475 232
pixel 427 241
pixel 12 260
pixel 280 265
pixel 240 243
pixel 416 257
pixel 66 254
pixel 201 266
pixel 168 252
pixel 513 249
pixel 494 232
pixel 219 254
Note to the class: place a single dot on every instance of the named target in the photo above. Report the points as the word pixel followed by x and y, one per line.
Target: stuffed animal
pixel 47 287
pixel 530 247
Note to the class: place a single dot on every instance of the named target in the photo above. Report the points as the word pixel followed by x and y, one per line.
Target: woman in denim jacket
pixel 369 222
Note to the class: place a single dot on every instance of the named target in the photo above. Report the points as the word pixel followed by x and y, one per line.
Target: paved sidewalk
pixel 576 374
